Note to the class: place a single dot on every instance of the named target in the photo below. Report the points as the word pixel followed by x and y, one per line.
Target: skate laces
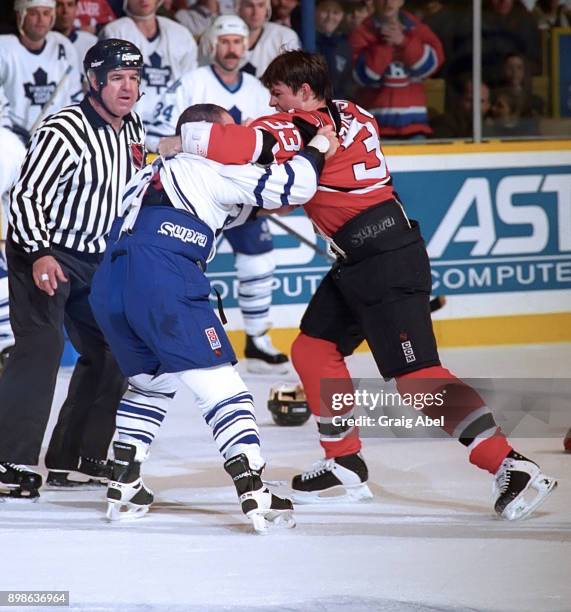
pixel 318 468
pixel 503 478
pixel 264 343
pixel 17 468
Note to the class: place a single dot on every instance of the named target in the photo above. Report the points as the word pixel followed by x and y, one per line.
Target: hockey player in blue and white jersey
pixel 244 97
pixel 13 157
pixel 151 299
pixel 168 49
pixel 39 69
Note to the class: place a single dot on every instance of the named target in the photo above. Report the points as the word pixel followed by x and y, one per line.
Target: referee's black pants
pixel 86 421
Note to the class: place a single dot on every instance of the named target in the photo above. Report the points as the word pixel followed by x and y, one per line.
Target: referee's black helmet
pixel 111 54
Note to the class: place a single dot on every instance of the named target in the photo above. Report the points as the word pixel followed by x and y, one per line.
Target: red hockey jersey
pixel 355 178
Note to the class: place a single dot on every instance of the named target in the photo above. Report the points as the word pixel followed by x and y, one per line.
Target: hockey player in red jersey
pixel 378 290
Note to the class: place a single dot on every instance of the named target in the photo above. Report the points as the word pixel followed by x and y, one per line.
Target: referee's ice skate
pixel 262 357
pixel 341 479
pixel 520 487
pixel 259 504
pixel 127 496
pixel 92 474
pixel 18 481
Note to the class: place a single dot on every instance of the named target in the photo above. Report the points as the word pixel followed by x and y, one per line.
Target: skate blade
pixel 19 499
pixel 349 495
pixel 257 366
pixel 124 511
pixel 521 507
pixel 76 485
pixel 265 521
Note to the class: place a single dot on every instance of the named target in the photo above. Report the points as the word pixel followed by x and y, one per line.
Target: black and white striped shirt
pixel 72 181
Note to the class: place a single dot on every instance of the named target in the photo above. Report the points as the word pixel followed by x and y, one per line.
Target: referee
pixel 61 209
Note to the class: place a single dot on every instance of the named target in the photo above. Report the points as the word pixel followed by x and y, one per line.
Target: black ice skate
pixel 98 472
pixel 4 355
pixel 127 496
pixel 520 487
pixel 18 481
pixel 341 479
pixel 262 357
pixel 259 504
pixel 567 442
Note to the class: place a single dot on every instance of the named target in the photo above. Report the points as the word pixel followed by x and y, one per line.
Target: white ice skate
pixel 338 480
pixel 127 496
pixel 264 509
pixel 520 487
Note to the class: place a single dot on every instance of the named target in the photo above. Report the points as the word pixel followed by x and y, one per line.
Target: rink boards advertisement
pixel 497 226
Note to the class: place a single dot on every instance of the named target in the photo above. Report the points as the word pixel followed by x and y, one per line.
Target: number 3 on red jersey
pixel 375 166
pixel 287 134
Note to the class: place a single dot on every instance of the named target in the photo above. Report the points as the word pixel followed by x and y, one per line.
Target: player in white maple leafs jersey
pixel 244 97
pixel 36 63
pixel 169 51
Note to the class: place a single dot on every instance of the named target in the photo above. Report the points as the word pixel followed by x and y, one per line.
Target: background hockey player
pixel 265 39
pixel 82 41
pixel 39 69
pixel 244 97
pixel 378 291
pixel 151 298
pixel 61 209
pixel 169 51
pixel 14 153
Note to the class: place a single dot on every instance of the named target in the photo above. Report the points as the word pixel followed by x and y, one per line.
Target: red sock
pixel 315 359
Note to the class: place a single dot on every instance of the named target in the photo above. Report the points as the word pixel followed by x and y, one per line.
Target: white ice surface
pixel 428 540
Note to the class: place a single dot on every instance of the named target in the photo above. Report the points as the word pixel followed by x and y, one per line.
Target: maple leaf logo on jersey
pixel 138 154
pixel 156 75
pixel 40 90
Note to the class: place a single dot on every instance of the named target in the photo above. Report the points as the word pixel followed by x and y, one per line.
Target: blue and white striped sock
pixel 143 408
pixel 228 408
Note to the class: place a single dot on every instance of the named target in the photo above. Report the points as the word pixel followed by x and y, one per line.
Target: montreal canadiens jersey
pixel 355 178
pixel 249 100
pixel 167 57
pixel 29 78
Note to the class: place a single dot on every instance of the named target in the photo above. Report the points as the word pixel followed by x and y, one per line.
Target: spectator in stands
pixel 282 11
pixel 507 27
pixel 356 11
pixel 168 49
pixel 458 122
pixel 517 79
pixel 442 17
pixel 393 52
pixel 267 40
pixel 507 121
pixel 552 14
pixel 198 17
pixel 65 24
pixel 334 46
pixel 92 15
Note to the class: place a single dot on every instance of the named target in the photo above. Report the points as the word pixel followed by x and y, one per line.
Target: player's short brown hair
pixel 294 68
pixel 201 112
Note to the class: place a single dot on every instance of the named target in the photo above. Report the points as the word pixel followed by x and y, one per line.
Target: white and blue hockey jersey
pixel 168 56
pixel 249 100
pixel 210 191
pixel 29 78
